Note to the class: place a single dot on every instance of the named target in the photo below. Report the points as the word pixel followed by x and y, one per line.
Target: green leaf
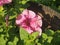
pixel 2 13
pixel 23 34
pixel 24 2
pixel 21 9
pixel 34 35
pixel 54 0
pixel 2 40
pixel 30 43
pixel 57 36
pixel 10 43
pixel 1 8
pixel 1 19
pixel 13 42
pixel 49 39
pixel 58 31
pixel 11 17
pixel 58 7
pixel 38 44
pixel 49 32
pixel 1 30
pixel 36 41
pixel 44 36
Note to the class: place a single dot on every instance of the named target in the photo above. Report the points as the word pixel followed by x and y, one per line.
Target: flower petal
pixel 20 19
pixel 33 23
pixel 1 2
pixel 39 21
pixel 36 21
pixel 7 1
pixel 29 30
pixel 25 12
pixel 39 30
pixel 4 2
pixel 29 13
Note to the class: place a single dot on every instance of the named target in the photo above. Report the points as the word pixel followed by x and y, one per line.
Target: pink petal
pixel 29 30
pixel 4 2
pixel 36 21
pixel 20 19
pixel 1 2
pixel 39 21
pixel 28 13
pixel 25 12
pixel 33 23
pixel 7 1
pixel 24 25
pixel 38 29
pixel 31 14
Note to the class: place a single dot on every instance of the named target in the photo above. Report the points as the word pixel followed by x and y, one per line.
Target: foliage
pixel 54 4
pixel 12 35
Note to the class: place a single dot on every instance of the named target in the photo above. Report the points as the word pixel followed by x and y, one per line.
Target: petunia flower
pixel 4 2
pixel 30 21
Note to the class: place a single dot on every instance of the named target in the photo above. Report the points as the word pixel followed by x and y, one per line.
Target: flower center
pixel 28 22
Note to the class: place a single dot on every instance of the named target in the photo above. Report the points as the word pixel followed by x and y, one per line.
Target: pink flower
pixel 4 2
pixel 29 21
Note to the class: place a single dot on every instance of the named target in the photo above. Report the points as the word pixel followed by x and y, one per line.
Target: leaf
pixel 2 13
pixel 54 0
pixel 36 41
pixel 24 2
pixel 30 43
pixel 21 9
pixel 1 19
pixel 2 40
pixel 1 8
pixel 34 35
pixel 38 44
pixel 10 43
pixel 58 7
pixel 13 42
pixel 57 36
pixel 44 36
pixel 23 34
pixel 49 39
pixel 11 17
pixel 1 30
pixel 49 32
